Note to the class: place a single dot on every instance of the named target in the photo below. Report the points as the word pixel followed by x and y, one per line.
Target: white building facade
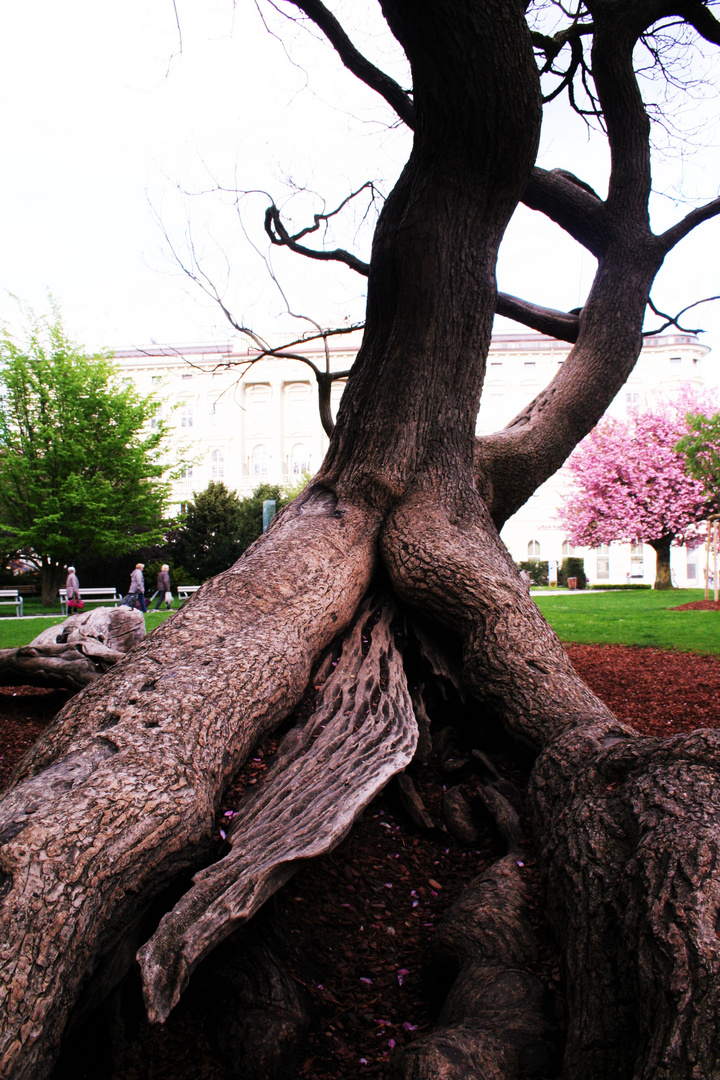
pixel 246 421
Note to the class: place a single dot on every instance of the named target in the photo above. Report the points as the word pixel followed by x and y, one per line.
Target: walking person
pixel 164 595
pixel 72 591
pixel 137 586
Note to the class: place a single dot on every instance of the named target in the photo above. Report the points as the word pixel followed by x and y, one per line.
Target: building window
pixel 157 418
pixel 533 550
pixel 258 399
pixel 568 549
pixel 299 460
pixel 602 562
pixel 186 416
pixel 186 472
pixel 186 376
pixel 156 380
pixel 632 404
pixel 298 408
pixel 676 359
pixel 530 363
pixel 217 465
pixel 636 561
pixel 259 461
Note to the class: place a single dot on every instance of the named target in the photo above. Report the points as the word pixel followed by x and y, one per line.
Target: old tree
pixel 117 799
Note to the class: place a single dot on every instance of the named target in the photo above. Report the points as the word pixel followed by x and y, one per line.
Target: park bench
pixel 93 596
pixel 12 598
pixel 184 591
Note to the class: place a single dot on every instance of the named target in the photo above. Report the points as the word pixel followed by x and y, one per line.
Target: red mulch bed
pixel 699 605
pixel 369 909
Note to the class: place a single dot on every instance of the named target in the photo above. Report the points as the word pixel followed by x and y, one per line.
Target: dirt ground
pixel 365 914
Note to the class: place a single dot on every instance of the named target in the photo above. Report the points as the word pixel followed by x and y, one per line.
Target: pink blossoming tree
pixel 631 483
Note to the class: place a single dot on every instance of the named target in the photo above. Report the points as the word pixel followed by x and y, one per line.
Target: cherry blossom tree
pixel 632 483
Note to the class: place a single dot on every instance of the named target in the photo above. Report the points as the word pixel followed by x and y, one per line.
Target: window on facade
pixel 530 363
pixel 155 420
pixel 636 561
pixel 602 562
pixel 258 400
pixel 186 472
pixel 676 359
pixel 298 407
pixel 186 376
pixel 186 416
pixel 217 465
pixel 299 460
pixel 568 549
pixel 259 461
pixel 156 379
pixel 533 550
pixel 632 402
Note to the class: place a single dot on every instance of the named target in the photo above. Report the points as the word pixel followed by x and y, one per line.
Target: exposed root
pixel 495 1023
pixel 362 733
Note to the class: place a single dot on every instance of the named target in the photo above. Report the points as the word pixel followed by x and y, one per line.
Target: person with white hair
pixel 137 586
pixel 72 590
pixel 164 595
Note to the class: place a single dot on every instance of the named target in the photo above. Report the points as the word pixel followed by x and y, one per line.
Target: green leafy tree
pixel 218 526
pixel 701 449
pixel 79 471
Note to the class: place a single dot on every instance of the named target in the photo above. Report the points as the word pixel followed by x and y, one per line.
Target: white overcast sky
pixel 108 127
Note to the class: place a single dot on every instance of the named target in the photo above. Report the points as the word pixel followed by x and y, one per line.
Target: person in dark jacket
pixel 164 594
pixel 137 586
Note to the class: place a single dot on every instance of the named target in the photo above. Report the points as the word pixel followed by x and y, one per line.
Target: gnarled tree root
pixel 74 653
pixel 362 732
pixel 495 1023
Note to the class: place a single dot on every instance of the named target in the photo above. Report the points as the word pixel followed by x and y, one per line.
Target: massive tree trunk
pixel 118 798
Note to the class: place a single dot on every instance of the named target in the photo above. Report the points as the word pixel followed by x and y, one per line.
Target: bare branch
pixel 563 325
pixel 281 237
pixel 355 62
pixel 570 203
pixel 674 320
pixel 679 231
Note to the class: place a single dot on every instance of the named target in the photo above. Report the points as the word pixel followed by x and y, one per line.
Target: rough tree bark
pixel 118 797
pixel 661 547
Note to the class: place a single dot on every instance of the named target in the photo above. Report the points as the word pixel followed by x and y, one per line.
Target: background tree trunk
pixel 661 547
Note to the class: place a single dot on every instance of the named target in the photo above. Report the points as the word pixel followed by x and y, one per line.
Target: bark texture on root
pixel 362 733
pixel 119 796
pixel 74 653
pixel 628 828
pixel 495 1022
pixel 449 561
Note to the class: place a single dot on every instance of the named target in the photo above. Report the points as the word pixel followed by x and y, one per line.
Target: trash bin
pixel 572 583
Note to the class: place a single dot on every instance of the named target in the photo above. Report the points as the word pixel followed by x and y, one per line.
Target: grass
pixel 16 632
pixel 640 617
pixel 637 617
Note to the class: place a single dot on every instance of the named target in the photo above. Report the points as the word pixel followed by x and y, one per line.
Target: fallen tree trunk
pixel 75 652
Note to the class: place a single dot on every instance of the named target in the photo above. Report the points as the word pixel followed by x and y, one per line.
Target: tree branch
pixel 281 237
pixel 681 229
pixel 673 320
pixel 563 325
pixel 356 63
pixel 570 203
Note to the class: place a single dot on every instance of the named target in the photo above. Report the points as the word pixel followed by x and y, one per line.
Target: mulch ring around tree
pixel 362 917
pixel 699 605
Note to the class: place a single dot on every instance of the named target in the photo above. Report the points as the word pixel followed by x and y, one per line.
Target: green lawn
pixel 15 632
pixel 641 617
